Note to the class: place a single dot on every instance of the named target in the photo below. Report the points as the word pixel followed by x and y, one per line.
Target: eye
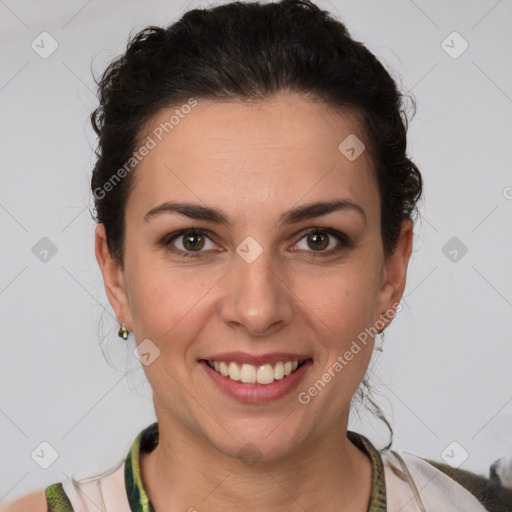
pixel 191 240
pixel 318 240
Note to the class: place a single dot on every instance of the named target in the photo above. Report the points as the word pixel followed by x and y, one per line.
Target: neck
pixel 185 473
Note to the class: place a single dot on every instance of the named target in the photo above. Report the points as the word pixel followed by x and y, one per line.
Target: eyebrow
pixel 293 216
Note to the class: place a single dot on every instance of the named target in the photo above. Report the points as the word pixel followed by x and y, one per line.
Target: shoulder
pixel 413 483
pixel 34 501
pixel 89 494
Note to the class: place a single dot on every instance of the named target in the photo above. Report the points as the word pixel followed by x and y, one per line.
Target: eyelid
pixel 343 239
pixel 167 240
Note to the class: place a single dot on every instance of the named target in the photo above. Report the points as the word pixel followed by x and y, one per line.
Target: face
pixel 260 277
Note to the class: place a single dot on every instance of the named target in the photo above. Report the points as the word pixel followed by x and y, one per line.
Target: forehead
pixel 279 151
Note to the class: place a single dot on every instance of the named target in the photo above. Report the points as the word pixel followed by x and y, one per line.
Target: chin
pixel 263 441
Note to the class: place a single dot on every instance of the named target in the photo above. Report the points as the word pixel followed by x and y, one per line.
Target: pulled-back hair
pixel 250 51
pixel 245 51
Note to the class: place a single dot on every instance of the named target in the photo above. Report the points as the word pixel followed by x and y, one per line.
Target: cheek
pixel 341 313
pixel 344 300
pixel 167 303
pixel 149 302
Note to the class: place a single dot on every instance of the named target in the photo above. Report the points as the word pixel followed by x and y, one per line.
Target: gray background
pixel 445 374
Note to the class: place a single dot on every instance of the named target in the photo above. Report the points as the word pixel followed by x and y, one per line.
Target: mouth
pixel 264 374
pixel 256 383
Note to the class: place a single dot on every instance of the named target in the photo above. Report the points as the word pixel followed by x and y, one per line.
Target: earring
pixel 123 332
pixel 379 348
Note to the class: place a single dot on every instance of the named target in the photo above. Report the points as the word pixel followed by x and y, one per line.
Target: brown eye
pixel 318 239
pixel 193 241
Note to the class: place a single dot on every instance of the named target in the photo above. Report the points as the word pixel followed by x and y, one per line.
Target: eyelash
pixel 344 240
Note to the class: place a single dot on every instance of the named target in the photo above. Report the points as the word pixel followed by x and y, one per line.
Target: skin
pixel 254 161
pixel 265 157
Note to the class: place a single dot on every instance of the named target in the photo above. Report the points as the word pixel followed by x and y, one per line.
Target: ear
pixel 394 274
pixel 113 278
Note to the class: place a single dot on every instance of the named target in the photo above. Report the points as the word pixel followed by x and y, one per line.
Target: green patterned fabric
pixel 378 494
pixel 56 499
pixel 147 440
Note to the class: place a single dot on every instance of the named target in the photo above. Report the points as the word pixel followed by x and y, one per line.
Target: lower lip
pixel 258 393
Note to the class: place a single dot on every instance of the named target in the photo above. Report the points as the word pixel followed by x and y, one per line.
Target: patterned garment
pixel 147 440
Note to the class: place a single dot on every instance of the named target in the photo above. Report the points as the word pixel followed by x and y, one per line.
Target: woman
pixel 255 210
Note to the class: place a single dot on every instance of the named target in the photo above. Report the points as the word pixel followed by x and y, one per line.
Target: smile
pixel 250 374
pixel 263 381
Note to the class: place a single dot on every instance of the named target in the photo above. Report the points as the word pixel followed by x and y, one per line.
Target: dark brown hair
pixel 242 51
pixel 249 51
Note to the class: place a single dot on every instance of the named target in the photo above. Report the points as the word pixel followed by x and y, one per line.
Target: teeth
pixel 265 374
pixel 224 370
pixel 279 371
pixel 234 371
pixel 250 374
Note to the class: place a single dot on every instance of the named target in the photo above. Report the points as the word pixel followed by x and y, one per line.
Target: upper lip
pixel 257 360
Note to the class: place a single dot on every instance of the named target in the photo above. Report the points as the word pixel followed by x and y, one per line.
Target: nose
pixel 258 299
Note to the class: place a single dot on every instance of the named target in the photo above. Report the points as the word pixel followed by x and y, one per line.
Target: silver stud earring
pixel 123 332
